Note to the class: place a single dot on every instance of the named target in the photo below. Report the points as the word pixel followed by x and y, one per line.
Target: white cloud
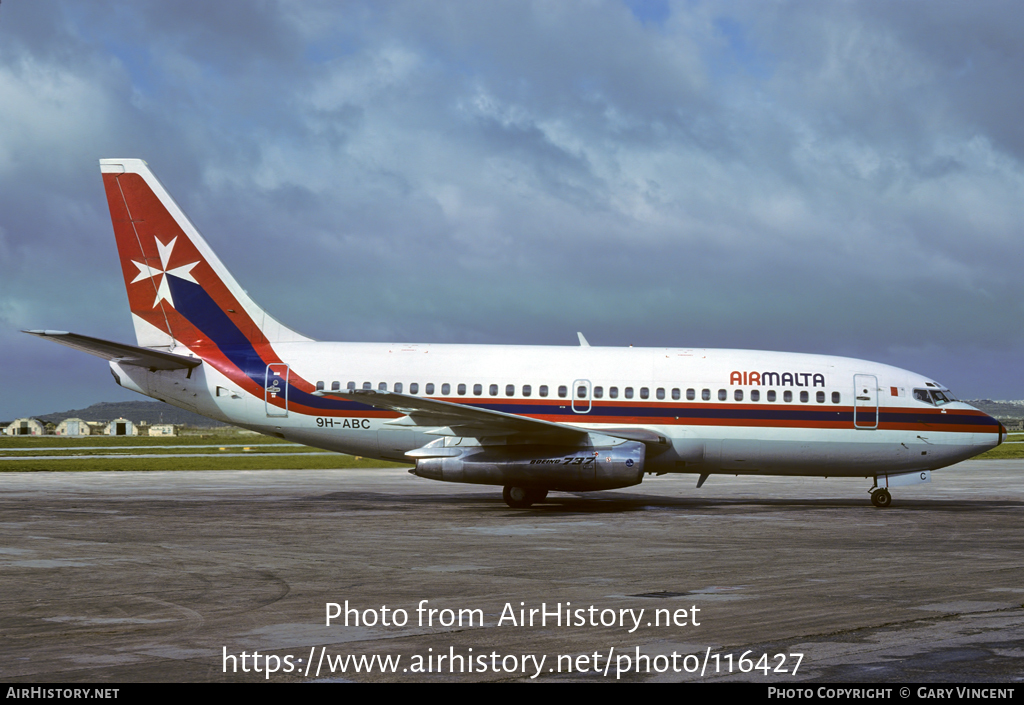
pixel 49 112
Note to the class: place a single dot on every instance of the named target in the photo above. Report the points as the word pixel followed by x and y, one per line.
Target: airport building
pixel 26 427
pixel 73 427
pixel 121 427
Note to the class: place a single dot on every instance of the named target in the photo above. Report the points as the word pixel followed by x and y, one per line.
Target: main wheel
pixel 521 497
pixel 881 498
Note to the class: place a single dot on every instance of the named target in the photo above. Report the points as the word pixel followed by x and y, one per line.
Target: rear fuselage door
pixel 865 401
pixel 275 389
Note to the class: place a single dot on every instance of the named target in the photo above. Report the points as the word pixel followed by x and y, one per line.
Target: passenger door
pixel 865 401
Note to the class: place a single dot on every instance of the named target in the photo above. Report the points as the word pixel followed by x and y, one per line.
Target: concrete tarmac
pixel 158 576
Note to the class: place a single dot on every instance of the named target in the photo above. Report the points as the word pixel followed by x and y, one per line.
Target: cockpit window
pixel 934 396
pixel 939 398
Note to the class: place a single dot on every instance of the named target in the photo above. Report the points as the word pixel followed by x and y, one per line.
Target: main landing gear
pixel 881 498
pixel 522 497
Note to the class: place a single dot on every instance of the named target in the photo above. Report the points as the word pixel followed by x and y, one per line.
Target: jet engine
pixel 550 467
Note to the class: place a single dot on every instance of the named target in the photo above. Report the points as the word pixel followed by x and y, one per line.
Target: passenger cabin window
pixel 367 385
pixel 350 385
pixel 429 388
pixel 510 390
pixel 543 391
pixel 660 393
pixel 722 395
pixel 705 394
pixel 676 394
pixel 414 388
pixel 335 386
pixel 563 391
pixel 461 389
pixel 804 397
pixel 478 389
pixel 755 395
pixel 319 386
pixel 527 390
pixel 493 390
pixel 691 394
pixel 598 392
pixel 613 392
pixel 835 397
pixel 629 393
pixel 644 393
pixel 398 387
pixel 787 396
pixel 738 395
pixel 820 397
pixel 581 392
pixel 446 389
pixel 771 395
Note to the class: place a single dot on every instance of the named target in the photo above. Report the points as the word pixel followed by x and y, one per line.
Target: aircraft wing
pixel 119 352
pixel 445 418
pixel 461 419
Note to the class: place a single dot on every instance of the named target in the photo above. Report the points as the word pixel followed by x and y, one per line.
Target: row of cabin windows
pixel 598 392
pixel 446 389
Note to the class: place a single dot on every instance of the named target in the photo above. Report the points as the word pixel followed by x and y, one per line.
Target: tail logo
pixel 163 289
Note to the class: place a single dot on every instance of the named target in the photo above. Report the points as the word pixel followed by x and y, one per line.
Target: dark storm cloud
pixel 840 177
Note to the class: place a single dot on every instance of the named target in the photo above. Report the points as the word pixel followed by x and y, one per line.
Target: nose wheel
pixel 881 498
pixel 522 497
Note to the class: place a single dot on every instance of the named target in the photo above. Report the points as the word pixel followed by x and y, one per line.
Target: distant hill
pixel 999 409
pixel 149 411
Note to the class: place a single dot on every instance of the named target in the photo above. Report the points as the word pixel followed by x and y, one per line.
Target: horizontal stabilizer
pixel 119 352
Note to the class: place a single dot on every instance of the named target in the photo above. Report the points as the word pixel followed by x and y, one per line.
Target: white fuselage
pixel 729 411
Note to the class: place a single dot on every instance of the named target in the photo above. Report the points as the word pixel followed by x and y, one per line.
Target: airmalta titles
pixel 776 379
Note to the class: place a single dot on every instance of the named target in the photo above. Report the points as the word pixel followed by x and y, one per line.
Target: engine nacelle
pixel 550 467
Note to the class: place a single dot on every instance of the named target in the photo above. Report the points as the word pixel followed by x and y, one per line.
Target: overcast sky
pixel 831 177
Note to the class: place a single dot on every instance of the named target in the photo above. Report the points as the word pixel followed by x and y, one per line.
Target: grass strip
pixel 1003 452
pixel 212 439
pixel 196 450
pixel 337 461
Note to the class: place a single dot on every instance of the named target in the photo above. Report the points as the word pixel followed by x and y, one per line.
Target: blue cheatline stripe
pixel 192 301
pixel 663 412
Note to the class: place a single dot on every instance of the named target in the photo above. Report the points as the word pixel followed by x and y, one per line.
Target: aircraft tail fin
pixel 179 292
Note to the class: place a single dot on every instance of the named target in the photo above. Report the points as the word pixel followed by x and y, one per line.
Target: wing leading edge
pixel 446 418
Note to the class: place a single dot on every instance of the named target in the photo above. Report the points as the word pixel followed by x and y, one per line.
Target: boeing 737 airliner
pixel 528 418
